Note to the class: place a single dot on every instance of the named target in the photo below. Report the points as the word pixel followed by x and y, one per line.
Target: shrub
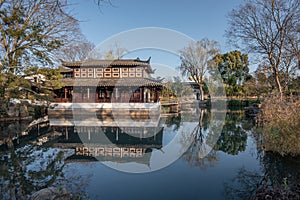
pixel 280 125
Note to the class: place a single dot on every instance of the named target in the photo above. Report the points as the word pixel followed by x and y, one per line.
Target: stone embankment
pixel 21 109
pixel 12 112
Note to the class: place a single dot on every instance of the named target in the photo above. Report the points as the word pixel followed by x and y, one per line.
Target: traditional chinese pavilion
pixel 108 81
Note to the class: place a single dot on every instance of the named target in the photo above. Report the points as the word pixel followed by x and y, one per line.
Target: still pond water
pixel 140 158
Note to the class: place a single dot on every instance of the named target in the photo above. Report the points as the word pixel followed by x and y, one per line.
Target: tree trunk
pixel 201 92
pixel 274 66
pixel 201 117
pixel 276 74
pixel 5 87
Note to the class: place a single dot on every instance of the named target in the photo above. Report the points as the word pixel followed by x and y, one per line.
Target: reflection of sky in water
pixel 205 178
pixel 174 145
pixel 169 134
pixel 180 180
pixel 177 181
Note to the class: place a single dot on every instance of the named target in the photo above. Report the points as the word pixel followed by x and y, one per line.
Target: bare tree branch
pixel 195 60
pixel 270 28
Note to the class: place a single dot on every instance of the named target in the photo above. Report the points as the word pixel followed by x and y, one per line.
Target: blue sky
pixel 196 19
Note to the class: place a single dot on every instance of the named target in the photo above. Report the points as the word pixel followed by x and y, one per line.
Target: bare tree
pixel 116 52
pixel 30 31
pixel 103 2
pixel 270 28
pixel 78 49
pixel 196 59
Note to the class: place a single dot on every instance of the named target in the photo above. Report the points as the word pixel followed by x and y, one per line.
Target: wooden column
pixel 67 133
pixel 71 93
pixel 65 90
pixel 117 134
pixel 97 94
pixel 141 94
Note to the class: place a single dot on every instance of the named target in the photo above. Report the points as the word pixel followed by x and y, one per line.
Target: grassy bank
pixel 279 125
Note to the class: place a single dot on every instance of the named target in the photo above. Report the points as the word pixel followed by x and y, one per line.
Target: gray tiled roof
pixel 65 70
pixel 111 82
pixel 110 63
pixel 106 63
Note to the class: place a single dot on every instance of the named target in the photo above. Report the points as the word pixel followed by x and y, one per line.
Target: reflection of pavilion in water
pixel 110 140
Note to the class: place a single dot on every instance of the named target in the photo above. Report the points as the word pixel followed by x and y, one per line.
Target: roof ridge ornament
pixel 143 61
pixel 148 61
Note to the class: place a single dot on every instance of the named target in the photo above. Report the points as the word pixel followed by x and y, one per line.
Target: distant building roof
pixel 36 77
pixel 65 70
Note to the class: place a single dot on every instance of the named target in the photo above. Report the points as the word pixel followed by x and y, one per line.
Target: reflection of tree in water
pixel 21 173
pixel 199 154
pixel 29 169
pixel 279 180
pixel 281 174
pixel 173 120
pixel 8 131
pixel 233 138
pixel 243 186
pixel 196 159
pixel 74 181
